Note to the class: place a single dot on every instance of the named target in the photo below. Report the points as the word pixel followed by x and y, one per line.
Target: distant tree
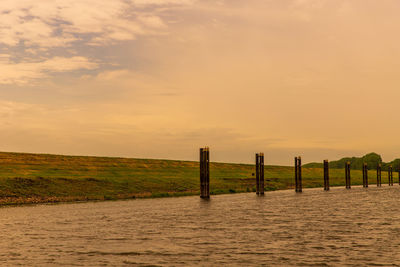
pixel 372 159
pixel 395 164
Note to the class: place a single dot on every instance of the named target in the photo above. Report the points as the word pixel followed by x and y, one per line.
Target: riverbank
pixel 42 178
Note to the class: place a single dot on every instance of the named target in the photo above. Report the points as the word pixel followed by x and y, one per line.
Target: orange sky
pixel 160 78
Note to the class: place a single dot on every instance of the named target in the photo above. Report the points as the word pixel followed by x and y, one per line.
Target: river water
pixel 340 227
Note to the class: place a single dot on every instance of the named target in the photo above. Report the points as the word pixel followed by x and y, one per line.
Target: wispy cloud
pixel 31 31
pixel 22 73
pixel 47 24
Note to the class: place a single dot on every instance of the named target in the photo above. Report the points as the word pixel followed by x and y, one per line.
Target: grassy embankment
pixel 34 178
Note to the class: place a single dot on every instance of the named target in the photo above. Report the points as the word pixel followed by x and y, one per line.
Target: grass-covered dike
pixel 38 178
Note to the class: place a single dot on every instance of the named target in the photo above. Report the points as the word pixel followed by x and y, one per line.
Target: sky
pixel 161 78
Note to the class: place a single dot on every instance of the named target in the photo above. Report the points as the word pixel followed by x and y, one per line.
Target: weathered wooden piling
pixel 297 174
pixel 296 180
pixel 379 175
pixel 399 175
pixel 347 175
pixel 365 175
pixel 257 173
pixel 390 175
pixel 261 173
pixel 205 172
pixel 326 175
pixel 300 175
pixel 202 173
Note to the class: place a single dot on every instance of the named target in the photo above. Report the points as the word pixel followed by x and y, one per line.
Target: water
pixel 341 227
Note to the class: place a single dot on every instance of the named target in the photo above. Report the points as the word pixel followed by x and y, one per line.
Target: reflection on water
pixel 340 227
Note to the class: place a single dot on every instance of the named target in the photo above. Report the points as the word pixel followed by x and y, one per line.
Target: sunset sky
pixel 161 78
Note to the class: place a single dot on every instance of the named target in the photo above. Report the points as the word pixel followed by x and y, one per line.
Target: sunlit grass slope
pixel 26 178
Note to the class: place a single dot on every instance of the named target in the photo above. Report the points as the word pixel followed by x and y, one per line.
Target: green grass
pixel 27 178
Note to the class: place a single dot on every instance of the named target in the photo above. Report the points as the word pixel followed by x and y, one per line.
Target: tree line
pixel 356 163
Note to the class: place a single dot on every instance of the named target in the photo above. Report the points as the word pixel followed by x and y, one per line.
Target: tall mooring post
pixel 326 175
pixel 379 175
pixel 347 175
pixel 390 175
pixel 297 174
pixel 365 175
pixel 205 172
pixel 257 173
pixel 260 173
pixel 399 175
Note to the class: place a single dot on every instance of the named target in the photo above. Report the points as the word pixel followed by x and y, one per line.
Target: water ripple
pixel 342 227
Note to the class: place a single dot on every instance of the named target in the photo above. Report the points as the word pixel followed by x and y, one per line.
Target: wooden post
pixel 299 174
pixel 379 175
pixel 257 173
pixel 296 176
pixel 391 175
pixel 326 175
pixel 399 175
pixel 207 172
pixel 347 174
pixel 365 175
pixel 204 172
pixel 261 173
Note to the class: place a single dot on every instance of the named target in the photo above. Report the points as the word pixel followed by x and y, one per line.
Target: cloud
pixel 22 73
pixel 162 2
pixel 11 108
pixel 50 24
pixel 56 34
